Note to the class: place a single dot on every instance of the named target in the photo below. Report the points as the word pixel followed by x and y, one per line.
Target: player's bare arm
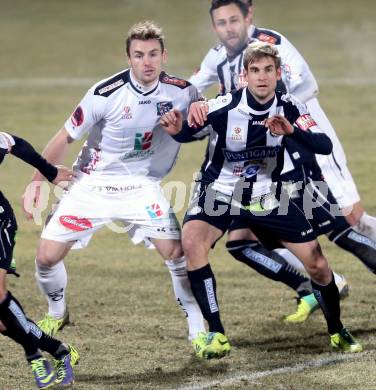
pixel 56 150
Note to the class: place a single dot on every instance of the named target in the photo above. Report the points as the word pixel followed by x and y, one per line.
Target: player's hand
pixel 64 176
pixel 198 114
pixel 172 121
pixel 279 125
pixel 242 81
pixel 31 198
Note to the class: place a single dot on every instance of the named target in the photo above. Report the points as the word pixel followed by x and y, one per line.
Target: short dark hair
pixel 144 31
pixel 241 4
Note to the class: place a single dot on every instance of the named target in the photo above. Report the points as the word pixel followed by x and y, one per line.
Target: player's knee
pixel 319 270
pixel 45 258
pixel 175 253
pixel 194 248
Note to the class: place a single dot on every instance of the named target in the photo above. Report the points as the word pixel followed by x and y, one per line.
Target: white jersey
pixel 121 118
pixel 217 67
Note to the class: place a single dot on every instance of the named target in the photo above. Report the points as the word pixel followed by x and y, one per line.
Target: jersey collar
pixel 141 89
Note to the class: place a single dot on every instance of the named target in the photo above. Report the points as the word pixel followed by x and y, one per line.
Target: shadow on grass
pixel 303 343
pixel 159 377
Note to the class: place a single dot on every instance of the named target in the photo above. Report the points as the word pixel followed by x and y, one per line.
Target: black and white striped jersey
pixel 241 146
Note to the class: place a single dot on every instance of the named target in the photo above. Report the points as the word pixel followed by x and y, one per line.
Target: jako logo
pixel 75 223
pixel 143 141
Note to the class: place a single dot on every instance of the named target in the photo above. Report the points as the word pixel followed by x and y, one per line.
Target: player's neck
pixel 142 87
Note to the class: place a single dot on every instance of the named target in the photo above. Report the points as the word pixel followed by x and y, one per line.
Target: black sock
pixel 13 317
pixel 204 289
pixel 328 299
pixel 269 264
pixel 359 245
pixel 45 342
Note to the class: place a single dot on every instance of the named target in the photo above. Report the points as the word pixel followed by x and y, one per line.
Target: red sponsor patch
pixel 75 223
pixel 305 122
pixel 77 117
pixel 174 81
pixel 267 38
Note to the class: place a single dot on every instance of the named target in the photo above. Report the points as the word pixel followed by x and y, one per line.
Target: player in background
pixel 13 321
pixel 278 136
pixel 232 23
pixel 119 169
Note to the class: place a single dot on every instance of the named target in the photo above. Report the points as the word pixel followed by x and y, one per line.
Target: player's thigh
pixel 168 248
pixel 239 230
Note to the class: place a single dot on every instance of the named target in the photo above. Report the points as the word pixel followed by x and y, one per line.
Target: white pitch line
pixel 48 82
pixel 252 376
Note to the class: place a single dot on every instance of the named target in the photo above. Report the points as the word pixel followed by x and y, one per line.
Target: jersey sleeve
pixel 296 74
pixel 6 143
pixel 306 130
pixel 89 112
pixel 206 75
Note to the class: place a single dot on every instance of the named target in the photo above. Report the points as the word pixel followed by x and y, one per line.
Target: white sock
pixel 367 226
pixel 52 282
pixel 184 296
pixel 291 259
pixel 296 263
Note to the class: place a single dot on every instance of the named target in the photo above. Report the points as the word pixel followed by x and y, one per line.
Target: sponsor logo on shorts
pixel 305 122
pixel 77 117
pixel 75 223
pixel 154 210
pixel 305 232
pixel 195 210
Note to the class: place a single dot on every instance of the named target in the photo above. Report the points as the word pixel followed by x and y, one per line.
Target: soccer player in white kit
pixel 119 169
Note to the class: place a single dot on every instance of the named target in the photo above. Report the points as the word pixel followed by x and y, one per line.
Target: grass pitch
pixel 125 324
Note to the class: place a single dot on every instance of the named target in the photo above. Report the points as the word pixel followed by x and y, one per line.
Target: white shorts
pixel 334 166
pixel 138 203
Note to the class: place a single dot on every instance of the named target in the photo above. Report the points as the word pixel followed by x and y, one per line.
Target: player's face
pixel 146 59
pixel 231 27
pixel 262 76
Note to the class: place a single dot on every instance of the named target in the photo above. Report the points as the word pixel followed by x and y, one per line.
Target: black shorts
pixel 210 206
pixel 319 207
pixel 326 216
pixel 8 229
